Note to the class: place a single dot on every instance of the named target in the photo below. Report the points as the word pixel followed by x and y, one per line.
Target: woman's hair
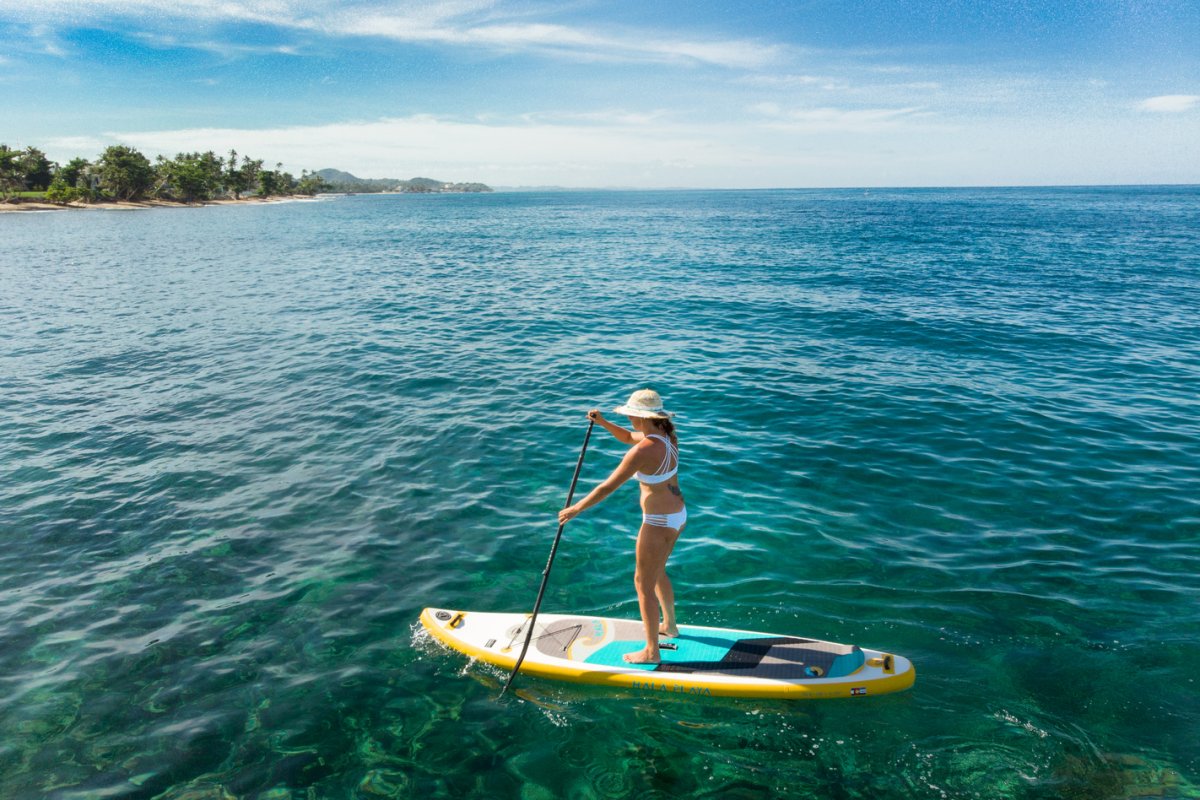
pixel 665 425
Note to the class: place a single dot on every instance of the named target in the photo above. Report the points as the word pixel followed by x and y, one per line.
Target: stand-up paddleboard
pixel 700 661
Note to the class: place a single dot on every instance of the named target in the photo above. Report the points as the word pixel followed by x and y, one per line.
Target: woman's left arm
pixel 622 473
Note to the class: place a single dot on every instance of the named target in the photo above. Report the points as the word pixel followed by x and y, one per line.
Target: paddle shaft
pixel 550 561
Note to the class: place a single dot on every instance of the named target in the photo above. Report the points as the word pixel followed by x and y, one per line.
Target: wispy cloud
pixel 71 12
pixel 782 80
pixel 609 116
pixel 471 23
pixel 560 40
pixel 225 49
pixel 44 39
pixel 827 119
pixel 1170 103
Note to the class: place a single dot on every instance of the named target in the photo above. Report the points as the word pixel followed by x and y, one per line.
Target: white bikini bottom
pixel 675 520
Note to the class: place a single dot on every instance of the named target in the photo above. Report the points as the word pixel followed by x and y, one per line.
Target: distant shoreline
pixel 22 205
pixel 129 205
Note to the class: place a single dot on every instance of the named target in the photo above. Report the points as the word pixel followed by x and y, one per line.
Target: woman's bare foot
pixel 670 632
pixel 643 656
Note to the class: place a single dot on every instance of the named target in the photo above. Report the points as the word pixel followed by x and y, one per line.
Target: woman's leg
pixel 666 599
pixel 666 602
pixel 654 545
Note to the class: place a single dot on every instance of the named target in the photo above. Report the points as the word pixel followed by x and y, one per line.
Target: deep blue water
pixel 242 447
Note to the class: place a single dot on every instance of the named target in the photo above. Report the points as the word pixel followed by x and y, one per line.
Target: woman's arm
pixel 622 473
pixel 622 434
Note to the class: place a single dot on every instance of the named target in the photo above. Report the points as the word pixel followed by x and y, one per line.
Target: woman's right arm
pixel 622 435
pixel 622 473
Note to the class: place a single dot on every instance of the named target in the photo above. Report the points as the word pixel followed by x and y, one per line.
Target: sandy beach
pixel 126 205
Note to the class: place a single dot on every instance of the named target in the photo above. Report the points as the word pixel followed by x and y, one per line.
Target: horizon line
pixel 559 188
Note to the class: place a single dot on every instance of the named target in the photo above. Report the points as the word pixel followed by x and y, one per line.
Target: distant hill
pixel 345 182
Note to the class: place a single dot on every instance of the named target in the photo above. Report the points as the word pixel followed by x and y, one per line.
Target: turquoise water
pixel 243 447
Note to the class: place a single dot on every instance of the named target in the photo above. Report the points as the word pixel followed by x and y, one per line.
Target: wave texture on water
pixel 243 447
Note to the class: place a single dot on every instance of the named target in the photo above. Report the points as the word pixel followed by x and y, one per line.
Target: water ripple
pixel 243 447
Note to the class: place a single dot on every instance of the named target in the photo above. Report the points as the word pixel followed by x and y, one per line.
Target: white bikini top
pixel 662 473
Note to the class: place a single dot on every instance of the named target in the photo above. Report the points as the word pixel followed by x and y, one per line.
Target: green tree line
pixel 123 173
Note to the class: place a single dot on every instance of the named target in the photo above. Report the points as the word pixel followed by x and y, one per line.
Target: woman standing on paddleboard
pixel 654 460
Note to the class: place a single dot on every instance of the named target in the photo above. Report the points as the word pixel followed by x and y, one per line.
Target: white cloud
pixel 1170 103
pixel 472 23
pixel 225 49
pixel 502 152
pixel 611 116
pixel 777 147
pixel 555 39
pixel 64 148
pixel 781 80
pixel 861 120
pixel 67 12
pixel 47 41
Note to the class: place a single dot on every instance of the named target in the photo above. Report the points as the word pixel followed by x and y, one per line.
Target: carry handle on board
pixel 549 562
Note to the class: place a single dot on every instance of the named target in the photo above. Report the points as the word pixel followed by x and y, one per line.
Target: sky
pixel 622 93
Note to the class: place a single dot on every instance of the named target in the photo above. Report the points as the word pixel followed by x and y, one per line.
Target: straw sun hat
pixel 644 403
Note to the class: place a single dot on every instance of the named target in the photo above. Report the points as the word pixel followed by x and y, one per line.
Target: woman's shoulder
pixel 652 446
pixel 646 446
pixel 659 440
pixel 653 439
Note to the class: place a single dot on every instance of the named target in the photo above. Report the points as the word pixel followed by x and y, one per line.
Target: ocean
pixel 242 447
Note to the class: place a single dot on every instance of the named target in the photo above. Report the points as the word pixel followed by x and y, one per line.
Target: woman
pixel 653 460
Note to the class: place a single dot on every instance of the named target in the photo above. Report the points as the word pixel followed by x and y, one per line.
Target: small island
pixel 122 177
pixel 344 182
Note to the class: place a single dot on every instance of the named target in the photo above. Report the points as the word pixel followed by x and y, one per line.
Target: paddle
pixel 546 573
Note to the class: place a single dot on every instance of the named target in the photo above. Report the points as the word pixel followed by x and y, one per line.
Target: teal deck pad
pixel 690 648
pixel 745 655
